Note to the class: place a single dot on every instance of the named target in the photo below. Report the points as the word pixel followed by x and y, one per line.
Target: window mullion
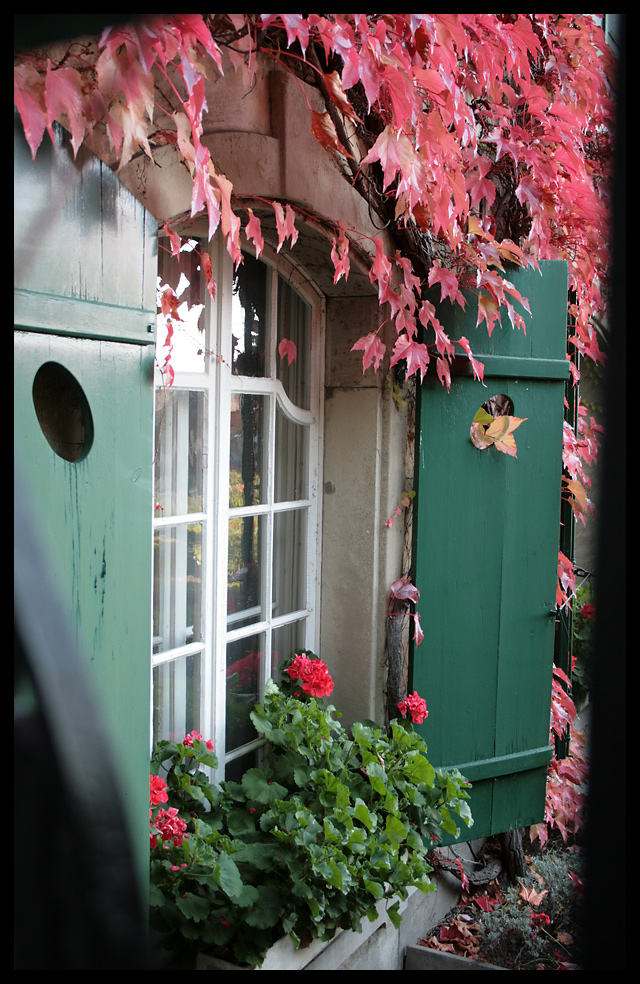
pixel 220 417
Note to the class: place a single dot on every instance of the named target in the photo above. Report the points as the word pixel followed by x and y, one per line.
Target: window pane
pixel 244 672
pixel 289 562
pixel 244 572
pixel 186 279
pixel 249 318
pixel 176 698
pixel 294 324
pixel 179 464
pixel 235 769
pixel 291 459
pixel 247 454
pixel 284 642
pixel 177 586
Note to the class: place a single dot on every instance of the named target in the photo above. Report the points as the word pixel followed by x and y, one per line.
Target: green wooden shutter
pixel 84 303
pixel 485 555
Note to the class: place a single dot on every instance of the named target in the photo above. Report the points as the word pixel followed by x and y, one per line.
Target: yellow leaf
pixel 580 502
pixel 530 895
pixel 477 435
pixel 507 445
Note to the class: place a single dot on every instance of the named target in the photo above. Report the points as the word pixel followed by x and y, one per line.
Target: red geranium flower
pixel 157 790
pixel 313 673
pixel 414 705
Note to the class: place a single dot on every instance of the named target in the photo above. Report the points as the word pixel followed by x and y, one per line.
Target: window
pixel 236 498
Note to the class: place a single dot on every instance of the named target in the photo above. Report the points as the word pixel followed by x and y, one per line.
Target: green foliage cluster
pixel 308 844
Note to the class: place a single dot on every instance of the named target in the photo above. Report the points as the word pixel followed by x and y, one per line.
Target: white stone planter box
pixel 378 947
pixel 284 956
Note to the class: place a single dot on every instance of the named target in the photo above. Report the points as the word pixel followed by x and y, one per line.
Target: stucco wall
pixel 365 439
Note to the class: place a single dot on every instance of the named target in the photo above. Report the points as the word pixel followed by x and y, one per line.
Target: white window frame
pixel 220 384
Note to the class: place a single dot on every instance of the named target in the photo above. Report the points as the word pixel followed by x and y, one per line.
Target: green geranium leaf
pixel 208 758
pixel 193 907
pixel 267 909
pixel 362 734
pixel 395 829
pixel 374 887
pixel 362 814
pixel 240 822
pixel 228 877
pixel 260 856
pixel 394 915
pixel 257 787
pixel 418 769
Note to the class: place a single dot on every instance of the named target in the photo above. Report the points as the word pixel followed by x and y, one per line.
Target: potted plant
pixel 309 844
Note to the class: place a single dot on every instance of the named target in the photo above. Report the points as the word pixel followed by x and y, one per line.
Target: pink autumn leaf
pixel 488 309
pixel 285 224
pixel 340 254
pixel 373 348
pixel 381 268
pixel 418 635
pixel 287 349
pixel 415 354
pixel 444 372
pixel 404 590
pixel 208 273
pixel 254 232
pixel 448 284
pixel 30 101
pixel 478 367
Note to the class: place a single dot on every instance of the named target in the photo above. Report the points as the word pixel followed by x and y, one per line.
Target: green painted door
pixel 84 302
pixel 485 555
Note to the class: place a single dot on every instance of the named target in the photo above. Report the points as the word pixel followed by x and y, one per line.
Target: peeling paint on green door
pixel 485 555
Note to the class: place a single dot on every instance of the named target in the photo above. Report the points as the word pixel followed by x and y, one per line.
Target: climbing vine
pixel 476 140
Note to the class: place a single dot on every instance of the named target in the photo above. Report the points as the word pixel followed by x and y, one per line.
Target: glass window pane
pixel 244 571
pixel 289 562
pixel 179 462
pixel 249 319
pixel 244 672
pixel 176 698
pixel 291 477
pixel 294 324
pixel 177 586
pixel 236 768
pixel 247 453
pixel 187 280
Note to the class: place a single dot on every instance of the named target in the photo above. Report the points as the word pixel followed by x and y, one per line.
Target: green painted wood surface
pixel 485 554
pixel 85 256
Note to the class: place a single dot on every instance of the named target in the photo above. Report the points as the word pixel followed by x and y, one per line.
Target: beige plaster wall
pixel 364 441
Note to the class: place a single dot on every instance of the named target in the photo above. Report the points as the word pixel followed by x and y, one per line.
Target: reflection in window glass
pixel 246 457
pixel 177 586
pixel 289 562
pixel 176 698
pixel 244 572
pixel 179 464
pixel 294 324
pixel 248 319
pixel 236 768
pixel 291 459
pixel 244 671
pixel 187 280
